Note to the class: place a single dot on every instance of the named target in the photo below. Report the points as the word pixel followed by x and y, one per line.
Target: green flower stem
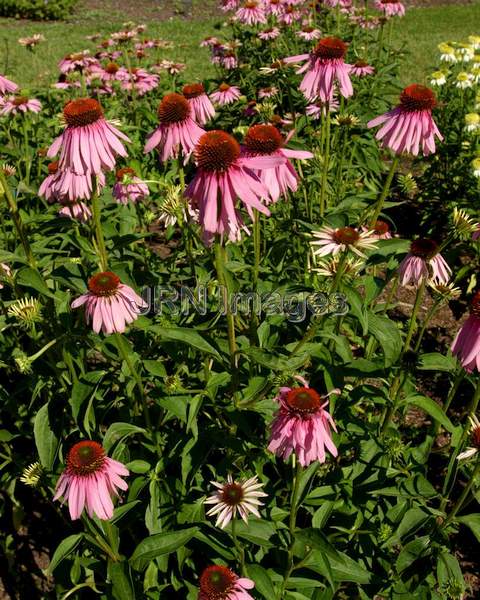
pixel 138 380
pixel 220 260
pixel 292 524
pixel 451 395
pixel 96 212
pixel 385 190
pixel 428 317
pixel 463 496
pixel 186 233
pixel 317 322
pixel 452 468
pixel 413 318
pixel 256 247
pixel 400 378
pixel 326 160
pixel 17 220
pixel 380 42
pixel 340 163
pixel 238 547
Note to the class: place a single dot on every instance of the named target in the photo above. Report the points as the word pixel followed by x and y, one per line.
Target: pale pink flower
pixel 66 83
pixel 324 67
pixel 222 176
pixel 289 16
pixel 380 231
pixel 47 187
pixel 5 271
pixel 77 62
pixel 267 92
pixel 228 5
pixel 361 68
pixel 309 33
pixel 390 8
pixel 176 131
pixel 330 240
pixel 89 142
pixel 129 187
pixel 210 41
pixel 409 127
pixel 475 439
pixel 302 425
pixel 89 481
pixel 140 80
pixel 75 210
pixel 113 72
pixel 319 109
pixel 220 583
pixel 424 262
pixel 200 104
pixel 229 60
pixel 273 7
pixel 7 86
pixel 466 345
pixel 269 34
pixel 109 304
pixel 32 41
pixel 251 13
pixel 226 94
pixel 234 497
pixel 15 105
pixel 65 185
pixel 266 140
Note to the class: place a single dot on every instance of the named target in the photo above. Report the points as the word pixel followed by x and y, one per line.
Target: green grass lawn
pixel 420 31
pixel 423 28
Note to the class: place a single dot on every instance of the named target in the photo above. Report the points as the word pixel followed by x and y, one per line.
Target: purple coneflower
pixel 220 583
pixel 325 66
pixel 251 13
pixel 109 304
pixel 15 105
pixel 226 94
pixel 361 68
pixel 176 131
pixel 302 425
pixel 409 127
pixel 222 176
pixel 90 480
pixel 129 187
pixel 466 345
pixel 424 262
pixel 89 142
pixel 202 108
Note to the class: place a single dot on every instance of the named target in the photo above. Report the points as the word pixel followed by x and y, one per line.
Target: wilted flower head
pixel 234 497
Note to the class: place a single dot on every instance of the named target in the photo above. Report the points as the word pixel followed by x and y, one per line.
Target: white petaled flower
pixel 350 268
pixel 234 497
pixel 472 122
pixel 465 226
pixel 465 52
pixel 446 291
pixel 464 80
pixel 474 41
pixel 475 439
pixel 476 167
pixel 329 240
pixel 447 53
pixel 438 78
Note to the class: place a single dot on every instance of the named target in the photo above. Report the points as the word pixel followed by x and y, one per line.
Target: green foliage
pixel 41 10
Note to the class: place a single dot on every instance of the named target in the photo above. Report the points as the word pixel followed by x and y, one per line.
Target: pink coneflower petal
pixel 89 481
